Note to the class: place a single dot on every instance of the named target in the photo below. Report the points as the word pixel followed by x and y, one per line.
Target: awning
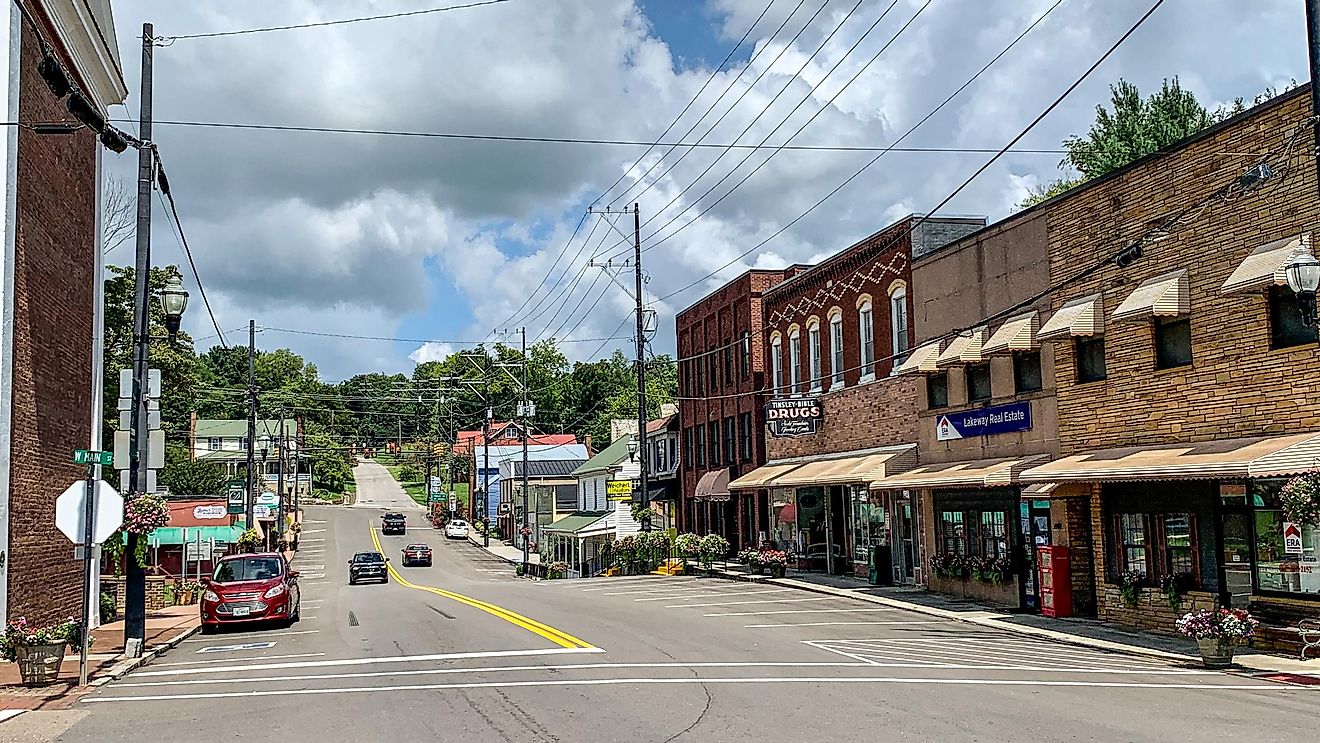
pixel 1264 266
pixel 171 535
pixel 661 493
pixel 763 477
pixel 714 485
pixel 920 360
pixel 1083 316
pixel 1017 334
pixel 1166 295
pixel 1039 489
pixel 980 473
pixel 963 349
pixel 577 523
pixel 860 469
pixel 1224 458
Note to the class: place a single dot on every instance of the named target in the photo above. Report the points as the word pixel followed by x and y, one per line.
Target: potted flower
pixel 249 541
pixel 949 565
pixel 752 559
pixel 776 561
pixel 687 546
pixel 1217 633
pixel 556 570
pixel 39 651
pixel 713 547
pixel 1129 584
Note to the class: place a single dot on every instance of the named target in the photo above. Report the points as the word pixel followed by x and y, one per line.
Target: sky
pixel 442 242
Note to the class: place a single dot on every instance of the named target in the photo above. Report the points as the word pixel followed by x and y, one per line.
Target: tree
pixel 186 476
pixel 118 214
pixel 328 460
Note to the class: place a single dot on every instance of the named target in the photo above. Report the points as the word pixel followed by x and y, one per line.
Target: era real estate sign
pixel 793 417
pixel 984 422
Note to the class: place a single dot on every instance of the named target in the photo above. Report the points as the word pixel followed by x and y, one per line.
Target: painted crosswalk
pixel 963 651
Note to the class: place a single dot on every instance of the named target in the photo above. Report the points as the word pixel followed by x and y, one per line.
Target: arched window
pixel 836 348
pixel 794 359
pixel 866 337
pixel 813 353
pixel 776 364
pixel 898 320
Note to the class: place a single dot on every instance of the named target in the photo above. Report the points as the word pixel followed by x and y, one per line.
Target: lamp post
pixel 1303 274
pixel 173 300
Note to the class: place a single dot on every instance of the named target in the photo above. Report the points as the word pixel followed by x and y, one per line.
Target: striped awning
pixel 1219 459
pixel 862 468
pixel 921 360
pixel 963 349
pixel 1017 334
pixel 980 473
pixel 763 477
pixel 1084 316
pixel 1166 295
pixel 1263 267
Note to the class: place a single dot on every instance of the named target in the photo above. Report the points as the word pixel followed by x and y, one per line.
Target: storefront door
pixel 1034 523
pixel 905 528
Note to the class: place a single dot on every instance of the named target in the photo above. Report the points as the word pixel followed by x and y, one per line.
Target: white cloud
pixel 432 351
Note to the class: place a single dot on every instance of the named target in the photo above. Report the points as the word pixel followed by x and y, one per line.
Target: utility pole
pixel 485 468
pixel 1313 53
pixel 645 497
pixel 297 468
pixel 526 412
pixel 252 426
pixel 135 583
pixel 279 480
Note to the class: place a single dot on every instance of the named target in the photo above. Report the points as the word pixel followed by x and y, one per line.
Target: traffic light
pixel 439 450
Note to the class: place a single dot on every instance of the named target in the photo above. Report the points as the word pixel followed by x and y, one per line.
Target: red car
pixel 417 554
pixel 251 588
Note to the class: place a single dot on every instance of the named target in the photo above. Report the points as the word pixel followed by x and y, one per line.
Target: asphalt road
pixel 464 651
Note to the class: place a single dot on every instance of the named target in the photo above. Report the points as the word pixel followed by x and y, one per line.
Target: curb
pixel 130 664
pixel 981 621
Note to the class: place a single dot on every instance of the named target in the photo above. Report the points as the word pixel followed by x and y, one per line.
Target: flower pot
pixel 39 665
pixel 1217 652
pixel 777 571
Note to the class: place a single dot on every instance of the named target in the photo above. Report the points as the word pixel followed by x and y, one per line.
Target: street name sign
pixel 85 456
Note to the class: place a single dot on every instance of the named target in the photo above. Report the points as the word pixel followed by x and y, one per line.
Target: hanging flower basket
pixel 145 513
pixel 1300 499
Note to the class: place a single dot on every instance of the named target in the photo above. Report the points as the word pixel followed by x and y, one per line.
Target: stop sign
pixel 71 507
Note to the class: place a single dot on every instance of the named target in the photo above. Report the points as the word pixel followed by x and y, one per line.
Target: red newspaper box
pixel 1055 582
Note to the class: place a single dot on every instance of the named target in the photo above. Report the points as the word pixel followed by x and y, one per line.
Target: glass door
pixel 905 530
pixel 1034 529
pixel 1235 559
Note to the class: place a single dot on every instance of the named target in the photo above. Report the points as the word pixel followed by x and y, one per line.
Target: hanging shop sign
pixel 984 422
pixel 793 417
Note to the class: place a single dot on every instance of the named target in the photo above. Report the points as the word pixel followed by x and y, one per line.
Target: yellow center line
pixel 559 637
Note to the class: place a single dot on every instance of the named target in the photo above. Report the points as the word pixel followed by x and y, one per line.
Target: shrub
pixel 712 548
pixel 687 545
pixel 1226 624
pixel 108 608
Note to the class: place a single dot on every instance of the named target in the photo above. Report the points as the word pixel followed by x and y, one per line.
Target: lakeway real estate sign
pixel 984 422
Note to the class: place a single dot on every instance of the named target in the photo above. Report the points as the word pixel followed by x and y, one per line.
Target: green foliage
pixel 1038 194
pixel 108 608
pixel 185 476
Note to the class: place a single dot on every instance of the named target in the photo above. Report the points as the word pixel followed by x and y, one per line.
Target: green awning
pixel 167 535
pixel 575 522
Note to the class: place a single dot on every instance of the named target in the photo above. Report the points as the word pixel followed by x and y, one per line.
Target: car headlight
pixel 276 590
pixel 211 596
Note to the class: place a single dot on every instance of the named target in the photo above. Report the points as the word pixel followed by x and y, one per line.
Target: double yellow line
pixel 558 637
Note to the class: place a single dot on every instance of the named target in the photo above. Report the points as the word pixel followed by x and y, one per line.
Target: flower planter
pixel 1217 652
pixel 757 569
pixel 777 571
pixel 39 665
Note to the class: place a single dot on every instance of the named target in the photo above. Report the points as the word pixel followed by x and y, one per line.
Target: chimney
pixel 620 427
pixel 586 441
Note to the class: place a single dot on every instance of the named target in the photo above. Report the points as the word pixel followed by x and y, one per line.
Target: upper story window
pixel 836 348
pixel 730 441
pixel 1090 352
pixel 978 382
pixel 794 359
pixel 1286 326
pixel 898 320
pixel 728 362
pixel 866 337
pixel 712 371
pixel 213 443
pixel 687 448
pixel 776 365
pixel 745 436
pixel 699 445
pixel 813 354
pixel 937 390
pixel 745 354
pixel 1026 372
pixel 1173 342
pixel 713 441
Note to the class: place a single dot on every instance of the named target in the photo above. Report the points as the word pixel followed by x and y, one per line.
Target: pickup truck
pixel 394 523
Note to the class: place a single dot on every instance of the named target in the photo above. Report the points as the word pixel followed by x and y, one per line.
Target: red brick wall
pixel 54 281
pixel 883 413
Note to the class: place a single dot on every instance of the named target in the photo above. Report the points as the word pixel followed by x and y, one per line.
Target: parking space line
pixel 715 595
pixel 799 611
pixel 653 589
pixel 844 624
pixel 254 636
pixel 744 603
pixel 232 660
pixel 1015 652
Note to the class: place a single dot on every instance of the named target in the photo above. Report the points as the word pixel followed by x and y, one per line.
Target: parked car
pixel 250 588
pixel 368 566
pixel 456 529
pixel 394 523
pixel 417 554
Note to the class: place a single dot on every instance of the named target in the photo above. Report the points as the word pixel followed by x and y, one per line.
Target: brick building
pixel 1187 381
pixel 721 372
pixel 50 296
pixel 832 336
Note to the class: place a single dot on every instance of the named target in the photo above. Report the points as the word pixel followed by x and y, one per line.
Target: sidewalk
pixel 165 629
pixel 504 551
pixel 1091 633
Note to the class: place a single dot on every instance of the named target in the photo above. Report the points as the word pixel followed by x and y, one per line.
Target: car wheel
pixel 352 582
pixel 208 629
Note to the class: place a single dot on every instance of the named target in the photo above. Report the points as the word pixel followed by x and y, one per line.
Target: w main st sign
pixel 793 417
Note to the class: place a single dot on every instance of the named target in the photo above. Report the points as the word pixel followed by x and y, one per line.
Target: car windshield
pixel 458 523
pixel 247 568
pixel 368 557
pixel 416 547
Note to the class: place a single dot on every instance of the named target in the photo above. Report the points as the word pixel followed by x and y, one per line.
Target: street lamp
pixel 173 300
pixel 1303 274
pixel 632 450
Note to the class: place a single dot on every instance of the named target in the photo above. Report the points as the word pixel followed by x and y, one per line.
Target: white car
pixel 456 529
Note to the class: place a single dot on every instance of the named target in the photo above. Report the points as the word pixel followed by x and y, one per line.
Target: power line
pixel 405 340
pixel 582 140
pixel 164 184
pixel 550 270
pixel 167 40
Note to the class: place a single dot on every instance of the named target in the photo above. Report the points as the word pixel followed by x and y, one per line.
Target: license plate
pixel 242 611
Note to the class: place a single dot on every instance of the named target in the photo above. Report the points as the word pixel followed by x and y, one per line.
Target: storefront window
pixel 1178 553
pixel 868 523
pixel 994 535
pixel 784 529
pixel 953 533
pixel 1132 530
pixel 1278 568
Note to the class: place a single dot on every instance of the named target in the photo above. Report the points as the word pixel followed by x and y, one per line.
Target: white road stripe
pixel 231 660
pixel 796 611
pixel 1261 686
pixel 8 714
pixel 716 595
pixel 256 637
pixel 1010 653
pixel 654 589
pixel 842 624
pixel 639 580
pixel 375 661
pixel 744 603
